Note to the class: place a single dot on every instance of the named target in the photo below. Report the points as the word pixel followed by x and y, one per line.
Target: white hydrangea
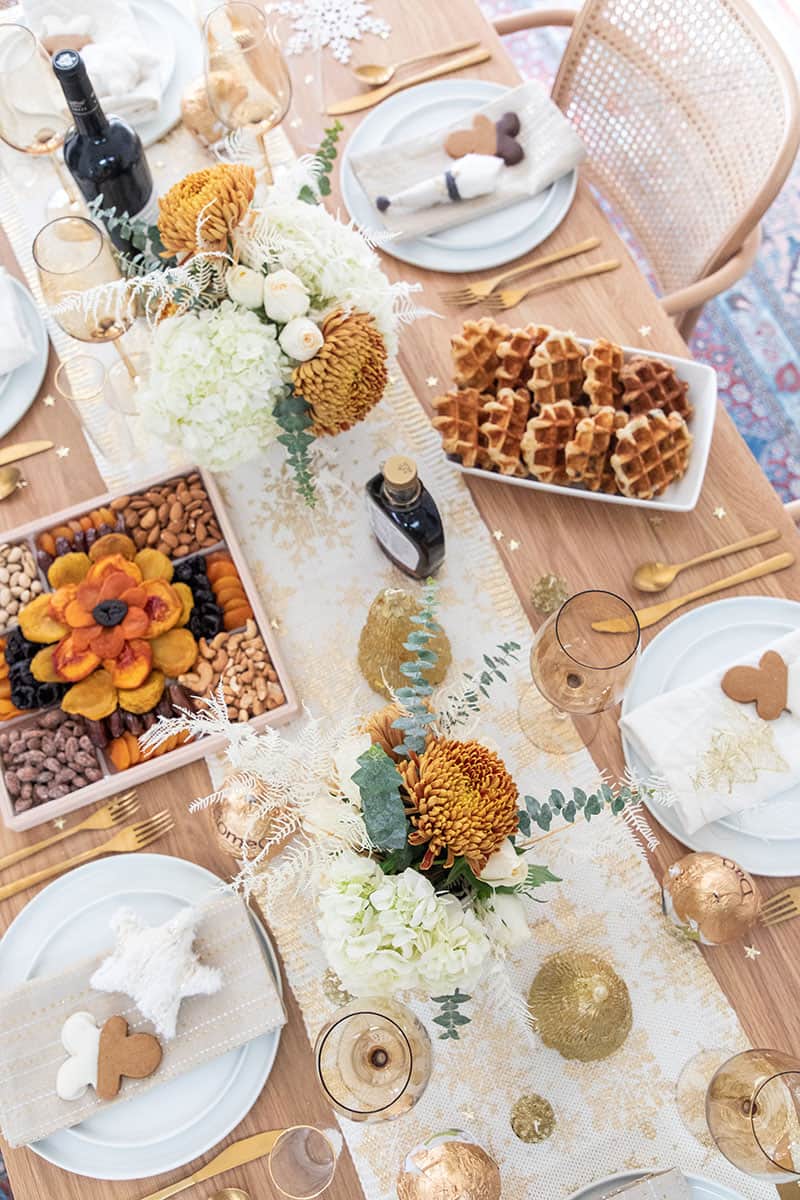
pixel 385 934
pixel 214 378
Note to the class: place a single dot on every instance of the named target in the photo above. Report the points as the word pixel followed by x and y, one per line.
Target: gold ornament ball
pixel 449 1166
pixel 238 832
pixel 381 649
pixel 533 1119
pixel 198 116
pixel 580 1006
pixel 711 898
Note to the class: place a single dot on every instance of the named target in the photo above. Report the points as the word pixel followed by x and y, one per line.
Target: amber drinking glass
pixel 302 1162
pixel 753 1114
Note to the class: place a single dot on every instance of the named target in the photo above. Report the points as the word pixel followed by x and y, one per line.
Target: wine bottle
pixel 103 153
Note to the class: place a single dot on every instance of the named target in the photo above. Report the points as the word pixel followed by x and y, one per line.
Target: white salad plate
pixel 170 1125
pixel 179 40
pixel 18 389
pixel 764 840
pixel 701 1189
pixel 488 241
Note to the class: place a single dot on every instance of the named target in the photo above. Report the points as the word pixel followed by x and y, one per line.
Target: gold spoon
pixel 9 478
pixel 655 576
pixel 374 75
pixel 231 1194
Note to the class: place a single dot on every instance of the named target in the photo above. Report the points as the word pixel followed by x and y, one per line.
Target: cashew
pixel 200 680
pixel 220 662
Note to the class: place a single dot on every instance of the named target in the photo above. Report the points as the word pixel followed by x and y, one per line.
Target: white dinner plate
pixel 701 1189
pixel 169 1125
pixel 764 840
pixel 18 389
pixel 476 245
pixel 163 24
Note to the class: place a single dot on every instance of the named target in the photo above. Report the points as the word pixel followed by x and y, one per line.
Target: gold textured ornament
pixel 381 649
pixel 549 593
pixel 710 898
pixel 581 1006
pixel 533 1119
pixel 449 1166
pixel 347 377
pixel 238 831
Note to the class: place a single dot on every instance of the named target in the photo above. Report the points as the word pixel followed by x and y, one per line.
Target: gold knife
pixel 367 99
pixel 656 612
pixel 22 450
pixel 236 1155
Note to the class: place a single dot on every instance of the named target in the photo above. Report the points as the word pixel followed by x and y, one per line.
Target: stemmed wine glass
pixel 753 1114
pixel 578 671
pixel 247 79
pixel 33 115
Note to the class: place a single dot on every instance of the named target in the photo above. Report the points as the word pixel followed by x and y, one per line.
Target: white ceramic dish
pixel 765 841
pixel 701 1189
pixel 162 23
pixel 19 388
pixel 171 1125
pixel 476 245
pixel 681 496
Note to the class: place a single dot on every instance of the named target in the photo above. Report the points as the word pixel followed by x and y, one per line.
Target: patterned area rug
pixel 750 334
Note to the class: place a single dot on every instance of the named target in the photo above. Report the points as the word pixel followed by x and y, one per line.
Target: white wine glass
pixel 753 1114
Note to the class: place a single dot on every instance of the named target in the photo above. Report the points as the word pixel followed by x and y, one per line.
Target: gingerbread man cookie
pixel 99 1058
pixel 767 685
pixel 498 138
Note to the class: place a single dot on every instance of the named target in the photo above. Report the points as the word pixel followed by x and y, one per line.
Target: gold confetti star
pixel 308 80
pixel 275 623
pixel 59 823
pixel 645 330
pixel 655 519
pixel 719 512
pixel 432 380
pixel 21 483
pixel 48 401
pixel 751 952
pixel 62 451
pixel 513 544
pixel 498 535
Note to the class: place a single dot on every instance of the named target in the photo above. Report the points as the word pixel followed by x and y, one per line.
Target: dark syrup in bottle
pixel 405 519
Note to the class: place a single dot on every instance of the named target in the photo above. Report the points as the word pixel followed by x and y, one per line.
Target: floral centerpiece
pixel 414 842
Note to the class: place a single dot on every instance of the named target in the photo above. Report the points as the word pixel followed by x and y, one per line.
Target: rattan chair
pixel 689 112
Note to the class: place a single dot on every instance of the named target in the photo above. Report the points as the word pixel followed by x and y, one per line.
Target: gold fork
pixel 473 293
pixel 508 298
pixel 135 837
pixel 781 907
pixel 118 809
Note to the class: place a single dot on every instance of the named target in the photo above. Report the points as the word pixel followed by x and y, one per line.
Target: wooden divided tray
pixel 193 531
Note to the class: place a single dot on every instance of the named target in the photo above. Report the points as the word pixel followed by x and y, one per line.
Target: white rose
pixel 285 296
pixel 301 339
pixel 508 921
pixel 505 867
pixel 245 286
pixel 345 765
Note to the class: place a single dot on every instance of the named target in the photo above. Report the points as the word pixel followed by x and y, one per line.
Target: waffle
pixel 649 383
pixel 543 446
pixel 588 455
pixel 557 370
pixel 506 419
pixel 458 415
pixel 474 352
pixel 515 354
pixel 652 451
pixel 602 366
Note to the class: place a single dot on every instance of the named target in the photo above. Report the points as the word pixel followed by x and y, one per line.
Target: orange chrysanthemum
pixel 347 377
pixel 215 198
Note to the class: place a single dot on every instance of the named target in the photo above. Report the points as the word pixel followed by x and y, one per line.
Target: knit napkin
pixel 32 1015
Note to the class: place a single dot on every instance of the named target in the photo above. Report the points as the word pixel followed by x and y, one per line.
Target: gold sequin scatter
pixel 381 647
pixel 347 377
pixel 199 211
pixel 549 592
pixel 449 1170
pixel 711 898
pixel 461 800
pixel 533 1119
pixel 333 989
pixel 580 1006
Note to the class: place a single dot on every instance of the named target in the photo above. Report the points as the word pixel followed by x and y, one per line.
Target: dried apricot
pixel 47 542
pixel 134 749
pixel 163 606
pixel 5 689
pixel 71 663
pixel 86 524
pixel 119 754
pixel 63 531
pixel 93 698
pixel 112 543
pixel 216 571
pixel 154 565
pixel 187 601
pixel 131 666
pixel 115 563
pixel 235 617
pixel 227 594
pixel 8 708
pixel 103 516
pixel 69 568
pixel 141 699
pixel 37 623
pixel 174 652
pixel 43 667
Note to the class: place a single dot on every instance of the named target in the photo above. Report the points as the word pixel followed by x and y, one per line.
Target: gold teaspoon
pixel 231 1194
pixel 655 576
pixel 9 478
pixel 374 74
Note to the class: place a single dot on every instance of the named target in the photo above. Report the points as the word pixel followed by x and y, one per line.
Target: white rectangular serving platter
pixel 116 781
pixel 681 496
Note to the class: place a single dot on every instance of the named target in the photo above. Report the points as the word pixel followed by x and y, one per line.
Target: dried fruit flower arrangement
pixel 271 320
pixel 414 843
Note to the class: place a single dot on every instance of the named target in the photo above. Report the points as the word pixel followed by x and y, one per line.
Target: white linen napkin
pixel 129 76
pixel 717 756
pixel 16 343
pixel 551 145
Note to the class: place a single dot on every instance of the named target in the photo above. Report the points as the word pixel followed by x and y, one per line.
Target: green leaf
pixel 540 875
pixel 379 783
pixel 292 414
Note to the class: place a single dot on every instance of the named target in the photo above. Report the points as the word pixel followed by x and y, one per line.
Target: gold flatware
pixel 510 297
pixel 231 1194
pixel 236 1155
pixel 135 837
pixel 655 576
pixel 781 907
pixel 368 99
pixel 656 612
pixel 473 293
pixel 111 814
pixel 22 450
pixel 375 75
pixel 9 478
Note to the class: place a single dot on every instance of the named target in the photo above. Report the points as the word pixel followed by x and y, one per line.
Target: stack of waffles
pixel 534 403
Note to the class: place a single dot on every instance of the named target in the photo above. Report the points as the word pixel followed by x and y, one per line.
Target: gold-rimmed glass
pixel 302 1162
pixel 753 1114
pixel 33 114
pixel 578 671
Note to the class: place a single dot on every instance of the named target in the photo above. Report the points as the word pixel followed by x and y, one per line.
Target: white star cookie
pixel 156 967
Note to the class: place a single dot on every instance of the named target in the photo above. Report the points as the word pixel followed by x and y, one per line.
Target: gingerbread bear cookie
pixel 767 685
pixel 99 1058
pixel 485 136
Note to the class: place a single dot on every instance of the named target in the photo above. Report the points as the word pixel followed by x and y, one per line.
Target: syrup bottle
pixel 405 519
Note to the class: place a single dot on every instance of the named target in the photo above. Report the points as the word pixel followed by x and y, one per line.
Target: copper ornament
pixel 239 831
pixel 449 1166
pixel 710 898
pixel 380 646
pixel 580 1005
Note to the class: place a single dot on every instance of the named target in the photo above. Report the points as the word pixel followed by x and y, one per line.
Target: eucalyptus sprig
pixel 542 813
pixel 451 1017
pixel 414 696
pixel 326 157
pixel 292 414
pixel 143 236
pixel 459 706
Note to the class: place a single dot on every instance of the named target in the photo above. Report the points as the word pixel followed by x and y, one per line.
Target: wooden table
pixel 589 544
